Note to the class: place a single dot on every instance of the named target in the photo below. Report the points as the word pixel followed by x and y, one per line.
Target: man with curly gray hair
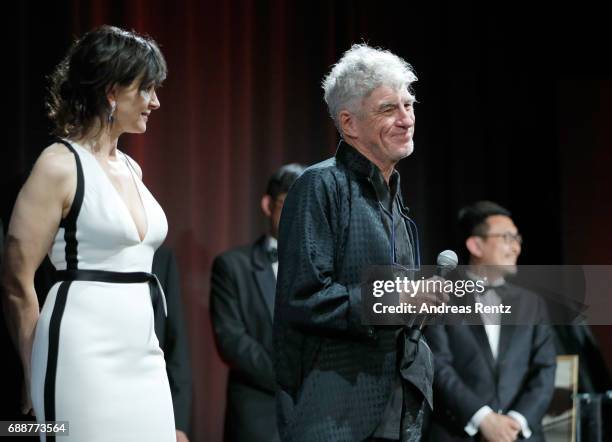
pixel 339 379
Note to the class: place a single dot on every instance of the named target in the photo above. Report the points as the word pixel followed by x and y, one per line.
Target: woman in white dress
pixel 91 354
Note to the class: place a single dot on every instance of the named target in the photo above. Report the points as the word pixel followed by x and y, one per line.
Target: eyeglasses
pixel 508 237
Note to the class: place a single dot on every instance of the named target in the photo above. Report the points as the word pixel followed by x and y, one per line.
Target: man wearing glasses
pixel 492 382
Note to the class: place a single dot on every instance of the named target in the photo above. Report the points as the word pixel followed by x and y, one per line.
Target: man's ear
pixel 347 124
pixel 266 205
pixel 474 246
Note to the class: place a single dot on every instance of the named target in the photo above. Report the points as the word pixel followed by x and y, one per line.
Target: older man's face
pixel 385 125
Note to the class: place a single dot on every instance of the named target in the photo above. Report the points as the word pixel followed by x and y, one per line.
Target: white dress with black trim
pixel 96 361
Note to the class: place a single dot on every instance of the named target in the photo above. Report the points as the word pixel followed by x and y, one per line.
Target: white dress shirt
pixel 272 243
pixel 491 322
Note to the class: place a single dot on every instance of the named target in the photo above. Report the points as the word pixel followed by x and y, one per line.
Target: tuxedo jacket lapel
pixel 505 336
pixel 480 335
pixel 264 275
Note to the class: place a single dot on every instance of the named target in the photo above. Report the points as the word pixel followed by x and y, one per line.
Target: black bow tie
pixel 501 289
pixel 273 255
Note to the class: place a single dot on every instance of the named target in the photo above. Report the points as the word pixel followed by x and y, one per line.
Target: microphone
pixel 446 262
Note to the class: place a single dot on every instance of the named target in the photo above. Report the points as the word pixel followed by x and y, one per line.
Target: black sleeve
pixel 538 386
pixel 176 348
pixel 309 296
pixel 458 397
pixel 244 354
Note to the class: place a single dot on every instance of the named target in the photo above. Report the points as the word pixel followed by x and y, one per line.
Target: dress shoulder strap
pixel 129 161
pixel 70 221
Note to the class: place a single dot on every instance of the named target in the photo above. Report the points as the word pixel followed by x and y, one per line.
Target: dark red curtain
pixel 587 157
pixel 240 100
pixel 496 92
pixel 222 127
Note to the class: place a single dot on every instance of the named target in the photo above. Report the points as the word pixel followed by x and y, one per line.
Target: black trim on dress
pixel 155 288
pixel 71 249
pixel 69 223
pixel 52 351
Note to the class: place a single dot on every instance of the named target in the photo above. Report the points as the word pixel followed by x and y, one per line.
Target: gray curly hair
pixel 361 70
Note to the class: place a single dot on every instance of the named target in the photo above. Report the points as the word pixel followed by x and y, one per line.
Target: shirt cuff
pixel 472 426
pixel 522 422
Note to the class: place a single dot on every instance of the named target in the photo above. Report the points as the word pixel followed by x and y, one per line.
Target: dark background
pixel 514 106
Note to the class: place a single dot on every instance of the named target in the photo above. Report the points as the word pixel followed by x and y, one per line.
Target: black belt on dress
pixel 155 286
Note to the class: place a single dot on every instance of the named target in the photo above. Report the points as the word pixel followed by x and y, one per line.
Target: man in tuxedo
pixel 172 336
pixel 243 288
pixel 493 382
pixel 341 380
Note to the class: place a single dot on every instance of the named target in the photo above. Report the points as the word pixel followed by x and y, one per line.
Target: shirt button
pixel 370 332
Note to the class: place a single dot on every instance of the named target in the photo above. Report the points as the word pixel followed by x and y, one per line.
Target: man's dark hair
pixel 283 178
pixel 104 57
pixel 472 218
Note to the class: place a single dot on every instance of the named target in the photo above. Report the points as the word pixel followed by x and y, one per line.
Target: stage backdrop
pixel 497 118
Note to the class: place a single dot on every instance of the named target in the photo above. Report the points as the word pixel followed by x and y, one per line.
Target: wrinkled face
pixel 133 107
pixel 499 246
pixel 385 126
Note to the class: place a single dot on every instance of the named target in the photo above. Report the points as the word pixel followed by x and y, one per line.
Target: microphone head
pixel 447 260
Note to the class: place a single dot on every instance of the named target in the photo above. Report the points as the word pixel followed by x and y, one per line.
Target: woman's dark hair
pixel 103 58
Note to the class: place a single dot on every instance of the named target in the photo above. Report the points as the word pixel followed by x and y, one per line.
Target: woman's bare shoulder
pixel 55 162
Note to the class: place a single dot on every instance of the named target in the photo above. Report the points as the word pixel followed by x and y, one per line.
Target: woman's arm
pixel 43 200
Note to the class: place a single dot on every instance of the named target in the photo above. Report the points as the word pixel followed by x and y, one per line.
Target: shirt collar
pixel 357 162
pixel 474 277
pixel 271 242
